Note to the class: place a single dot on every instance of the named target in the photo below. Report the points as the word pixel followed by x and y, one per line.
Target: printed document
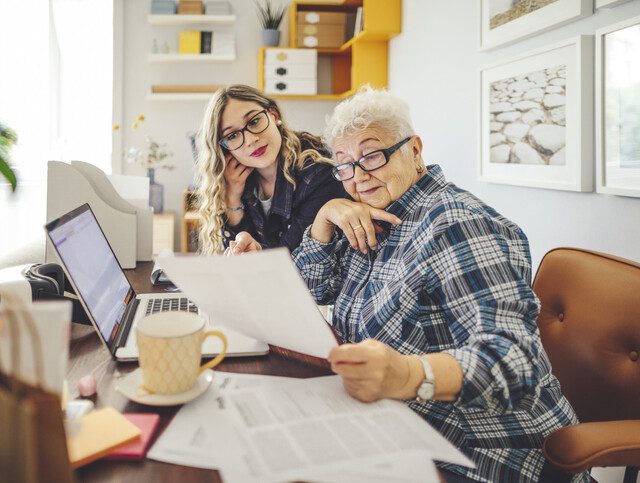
pixel 260 295
pixel 263 428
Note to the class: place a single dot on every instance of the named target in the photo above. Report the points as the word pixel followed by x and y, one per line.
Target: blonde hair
pixel 212 163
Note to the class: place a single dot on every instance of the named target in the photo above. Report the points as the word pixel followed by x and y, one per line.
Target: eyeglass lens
pixel 256 125
pixel 369 162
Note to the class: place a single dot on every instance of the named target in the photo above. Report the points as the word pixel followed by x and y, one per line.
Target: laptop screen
pixel 92 267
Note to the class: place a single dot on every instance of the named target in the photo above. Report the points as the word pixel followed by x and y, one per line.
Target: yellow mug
pixel 170 350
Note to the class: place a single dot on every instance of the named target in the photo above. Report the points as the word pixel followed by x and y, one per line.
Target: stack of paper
pixel 96 434
pixel 264 428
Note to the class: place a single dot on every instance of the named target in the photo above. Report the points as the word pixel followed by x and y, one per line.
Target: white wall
pixel 434 65
pixel 169 121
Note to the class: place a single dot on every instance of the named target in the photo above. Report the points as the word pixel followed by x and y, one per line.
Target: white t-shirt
pixel 264 201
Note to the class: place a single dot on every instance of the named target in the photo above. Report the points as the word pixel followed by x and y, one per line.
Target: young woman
pixel 259 187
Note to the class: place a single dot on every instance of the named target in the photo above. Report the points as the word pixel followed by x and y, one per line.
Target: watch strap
pixel 426 390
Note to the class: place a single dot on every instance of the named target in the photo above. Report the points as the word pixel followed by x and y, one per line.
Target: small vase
pixel 270 37
pixel 156 192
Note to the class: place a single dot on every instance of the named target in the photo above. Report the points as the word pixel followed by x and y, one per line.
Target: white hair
pixel 369 108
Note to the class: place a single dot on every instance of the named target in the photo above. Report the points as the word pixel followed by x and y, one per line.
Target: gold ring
pixel 356 227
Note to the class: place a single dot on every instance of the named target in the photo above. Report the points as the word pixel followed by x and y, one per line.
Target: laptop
pixel 112 305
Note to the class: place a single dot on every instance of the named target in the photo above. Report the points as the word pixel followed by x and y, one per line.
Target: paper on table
pixel 289 429
pixel 258 294
pixel 188 439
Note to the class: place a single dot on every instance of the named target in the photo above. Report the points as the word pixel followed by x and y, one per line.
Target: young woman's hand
pixel 244 243
pixel 355 219
pixel 235 175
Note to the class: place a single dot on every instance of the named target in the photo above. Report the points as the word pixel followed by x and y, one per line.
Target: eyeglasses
pixel 256 125
pixel 368 162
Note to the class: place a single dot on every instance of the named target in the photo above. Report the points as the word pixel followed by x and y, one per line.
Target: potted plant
pixel 8 138
pixel 270 18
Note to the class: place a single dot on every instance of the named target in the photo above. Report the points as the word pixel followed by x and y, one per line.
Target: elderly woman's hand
pixel 355 219
pixel 244 243
pixel 372 370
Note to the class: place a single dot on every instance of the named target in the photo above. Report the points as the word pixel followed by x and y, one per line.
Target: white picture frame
pixel 618 151
pixel 608 3
pixel 521 140
pixel 553 15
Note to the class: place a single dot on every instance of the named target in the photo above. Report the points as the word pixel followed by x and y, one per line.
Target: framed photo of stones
pixel 535 118
pixel 618 108
pixel 504 21
pixel 608 3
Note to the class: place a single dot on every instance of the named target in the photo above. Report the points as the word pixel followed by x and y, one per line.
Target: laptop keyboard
pixel 182 304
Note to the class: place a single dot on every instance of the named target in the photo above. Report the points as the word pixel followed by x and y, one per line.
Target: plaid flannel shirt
pixel 454 277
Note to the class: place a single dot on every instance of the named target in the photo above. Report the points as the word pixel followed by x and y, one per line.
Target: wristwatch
pixel 427 389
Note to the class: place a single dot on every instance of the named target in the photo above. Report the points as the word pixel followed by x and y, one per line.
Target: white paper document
pixel 257 294
pixel 261 428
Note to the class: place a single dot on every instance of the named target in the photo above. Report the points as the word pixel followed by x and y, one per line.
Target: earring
pixel 420 169
pixel 279 122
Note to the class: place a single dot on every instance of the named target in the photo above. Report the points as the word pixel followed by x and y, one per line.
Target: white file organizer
pixel 144 215
pixel 69 186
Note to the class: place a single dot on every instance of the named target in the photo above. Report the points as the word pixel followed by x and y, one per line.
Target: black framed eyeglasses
pixel 257 124
pixel 368 162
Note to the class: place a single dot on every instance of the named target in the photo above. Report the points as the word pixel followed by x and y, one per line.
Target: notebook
pixel 112 305
pixel 137 449
pixel 96 434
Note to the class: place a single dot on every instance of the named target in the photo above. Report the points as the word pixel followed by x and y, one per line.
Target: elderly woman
pixel 432 294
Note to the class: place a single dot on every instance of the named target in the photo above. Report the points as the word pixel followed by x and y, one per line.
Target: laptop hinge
pixel 123 332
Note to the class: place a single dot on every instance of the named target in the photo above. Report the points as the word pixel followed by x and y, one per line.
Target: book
pixel 189 42
pixel 96 434
pixel 137 449
pixel 359 22
pixel 206 38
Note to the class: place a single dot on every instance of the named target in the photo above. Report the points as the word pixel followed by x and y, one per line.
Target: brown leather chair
pixel 590 327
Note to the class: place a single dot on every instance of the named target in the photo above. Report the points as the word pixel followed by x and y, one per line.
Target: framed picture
pixel 536 114
pixel 618 108
pixel 504 21
pixel 609 3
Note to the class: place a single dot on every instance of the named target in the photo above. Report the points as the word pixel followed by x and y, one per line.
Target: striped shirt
pixel 454 277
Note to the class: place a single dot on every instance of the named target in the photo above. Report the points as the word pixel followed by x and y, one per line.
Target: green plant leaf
pixel 270 17
pixel 7 172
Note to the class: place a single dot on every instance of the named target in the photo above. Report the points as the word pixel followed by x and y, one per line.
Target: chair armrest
pixel 585 445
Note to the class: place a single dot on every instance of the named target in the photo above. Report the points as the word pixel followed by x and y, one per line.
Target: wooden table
pixel 88 355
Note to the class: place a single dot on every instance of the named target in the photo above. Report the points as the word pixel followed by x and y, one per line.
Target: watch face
pixel 426 390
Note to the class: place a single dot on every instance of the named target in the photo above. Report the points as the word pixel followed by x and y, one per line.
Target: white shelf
pixel 191 58
pixel 179 96
pixel 191 19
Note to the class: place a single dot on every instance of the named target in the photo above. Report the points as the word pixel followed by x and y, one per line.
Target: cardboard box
pixel 320 40
pixel 163 7
pixel 328 18
pixel 293 87
pixel 181 88
pixel 290 56
pixel 291 71
pixel 190 7
pixel 217 8
pixel 321 35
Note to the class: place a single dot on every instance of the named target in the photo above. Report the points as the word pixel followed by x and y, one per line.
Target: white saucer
pixel 130 387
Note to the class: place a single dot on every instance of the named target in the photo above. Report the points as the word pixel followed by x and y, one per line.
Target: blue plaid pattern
pixel 453 277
